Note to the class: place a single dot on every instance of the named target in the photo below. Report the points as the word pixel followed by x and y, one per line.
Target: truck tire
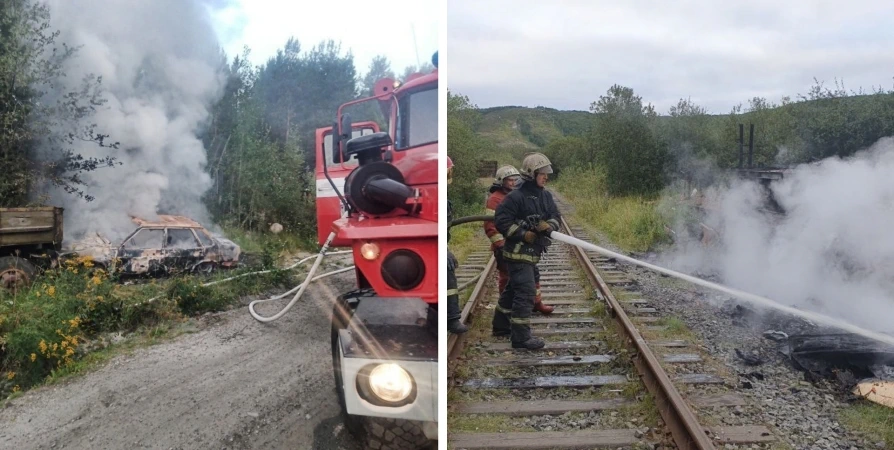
pixel 377 433
pixel 394 434
pixel 16 273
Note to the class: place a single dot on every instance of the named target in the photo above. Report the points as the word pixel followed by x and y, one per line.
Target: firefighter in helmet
pixel 454 325
pixel 525 218
pixel 505 182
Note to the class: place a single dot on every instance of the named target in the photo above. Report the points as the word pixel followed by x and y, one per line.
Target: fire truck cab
pixel 377 191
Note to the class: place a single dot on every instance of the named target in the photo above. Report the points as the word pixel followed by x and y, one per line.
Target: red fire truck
pixel 377 190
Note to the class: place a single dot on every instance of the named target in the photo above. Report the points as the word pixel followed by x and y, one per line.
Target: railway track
pixel 614 372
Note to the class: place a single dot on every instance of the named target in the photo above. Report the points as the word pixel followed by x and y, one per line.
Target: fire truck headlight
pixel 391 384
pixel 369 251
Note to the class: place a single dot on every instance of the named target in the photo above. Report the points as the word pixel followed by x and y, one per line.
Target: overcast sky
pixel 566 53
pixel 367 28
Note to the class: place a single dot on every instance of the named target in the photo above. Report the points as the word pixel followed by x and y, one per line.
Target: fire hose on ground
pixel 741 295
pixel 301 287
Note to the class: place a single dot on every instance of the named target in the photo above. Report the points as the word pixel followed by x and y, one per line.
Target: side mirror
pixel 344 134
pixel 345 126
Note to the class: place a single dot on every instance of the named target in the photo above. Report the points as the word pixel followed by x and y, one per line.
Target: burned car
pixel 169 245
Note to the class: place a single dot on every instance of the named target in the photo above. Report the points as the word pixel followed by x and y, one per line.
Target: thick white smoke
pixel 159 64
pixel 831 252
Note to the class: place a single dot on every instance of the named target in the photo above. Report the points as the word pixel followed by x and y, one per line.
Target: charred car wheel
pixel 205 268
pixel 16 273
pixel 373 432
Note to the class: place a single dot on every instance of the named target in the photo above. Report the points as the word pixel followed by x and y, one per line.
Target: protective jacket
pixel 520 212
pixel 497 194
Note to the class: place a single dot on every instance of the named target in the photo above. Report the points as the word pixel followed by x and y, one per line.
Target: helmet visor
pixel 545 169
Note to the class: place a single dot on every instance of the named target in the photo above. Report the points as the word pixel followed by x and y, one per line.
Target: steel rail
pixel 679 418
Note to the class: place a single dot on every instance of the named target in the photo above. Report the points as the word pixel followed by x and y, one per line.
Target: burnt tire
pixel 376 433
pixel 205 268
pixel 16 273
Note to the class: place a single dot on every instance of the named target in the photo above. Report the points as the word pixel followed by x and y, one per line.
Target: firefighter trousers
pixel 453 311
pixel 503 275
pixel 516 303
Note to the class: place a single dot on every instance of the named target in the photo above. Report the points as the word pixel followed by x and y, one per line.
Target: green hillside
pixel 830 123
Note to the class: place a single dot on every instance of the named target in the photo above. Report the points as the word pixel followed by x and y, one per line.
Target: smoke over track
pixel 831 252
pixel 159 65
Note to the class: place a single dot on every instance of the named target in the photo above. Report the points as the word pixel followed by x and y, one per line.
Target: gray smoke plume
pixel 832 250
pixel 159 64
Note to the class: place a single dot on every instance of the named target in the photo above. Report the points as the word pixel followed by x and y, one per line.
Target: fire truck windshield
pixel 418 118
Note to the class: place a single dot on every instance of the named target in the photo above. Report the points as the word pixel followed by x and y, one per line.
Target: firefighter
pixel 506 179
pixel 454 324
pixel 525 218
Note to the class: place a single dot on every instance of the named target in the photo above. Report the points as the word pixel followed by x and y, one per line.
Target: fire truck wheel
pixel 15 272
pixel 396 434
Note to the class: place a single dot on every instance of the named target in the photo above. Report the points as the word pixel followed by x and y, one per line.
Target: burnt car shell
pixel 168 245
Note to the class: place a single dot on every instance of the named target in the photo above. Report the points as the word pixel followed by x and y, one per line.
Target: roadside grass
pixel 871 419
pixel 59 326
pixel 633 222
pixel 279 245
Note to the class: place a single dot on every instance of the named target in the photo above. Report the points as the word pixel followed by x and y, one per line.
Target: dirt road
pixel 235 384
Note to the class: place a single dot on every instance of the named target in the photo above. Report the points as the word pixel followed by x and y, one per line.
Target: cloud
pixel 367 29
pixel 566 54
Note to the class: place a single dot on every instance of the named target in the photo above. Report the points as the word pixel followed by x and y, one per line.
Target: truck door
pixel 329 207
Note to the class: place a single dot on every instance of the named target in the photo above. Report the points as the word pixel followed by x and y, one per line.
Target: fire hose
pixel 251 305
pixel 301 287
pixel 742 295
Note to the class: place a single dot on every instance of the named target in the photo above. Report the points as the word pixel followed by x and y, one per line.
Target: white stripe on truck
pixel 324 188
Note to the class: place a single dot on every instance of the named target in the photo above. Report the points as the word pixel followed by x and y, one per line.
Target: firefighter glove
pixel 530 237
pixel 544 227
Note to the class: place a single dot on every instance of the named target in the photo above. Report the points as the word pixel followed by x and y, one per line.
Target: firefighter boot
pixel 456 326
pixel 533 343
pixel 543 309
pixel 539 306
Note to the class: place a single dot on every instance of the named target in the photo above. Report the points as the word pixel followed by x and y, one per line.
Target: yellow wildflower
pixel 16 388
pixel 10 375
pixel 73 323
pixel 96 280
pixel 33 357
pixel 51 291
pixel 37 294
pixel 42 346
